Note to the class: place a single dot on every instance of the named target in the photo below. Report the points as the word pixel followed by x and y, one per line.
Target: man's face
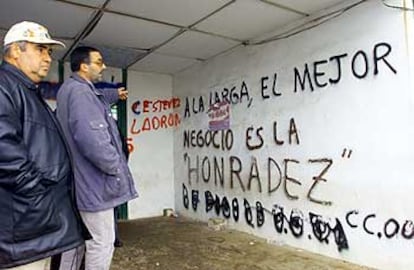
pixel 34 60
pixel 96 66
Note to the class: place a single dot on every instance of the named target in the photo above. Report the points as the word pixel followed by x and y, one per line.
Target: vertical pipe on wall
pixel 61 71
pixel 122 123
pixel 122 110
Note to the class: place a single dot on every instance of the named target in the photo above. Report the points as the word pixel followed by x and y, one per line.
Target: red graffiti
pixel 130 145
pixel 160 105
pixel 153 123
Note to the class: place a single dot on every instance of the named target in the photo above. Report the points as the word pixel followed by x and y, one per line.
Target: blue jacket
pixel 102 177
pixel 38 217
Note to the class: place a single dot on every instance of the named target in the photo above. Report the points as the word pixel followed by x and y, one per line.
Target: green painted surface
pixel 122 123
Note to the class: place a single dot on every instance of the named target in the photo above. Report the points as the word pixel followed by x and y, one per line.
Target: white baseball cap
pixel 31 32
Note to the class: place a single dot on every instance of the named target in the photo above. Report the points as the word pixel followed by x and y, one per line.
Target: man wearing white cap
pixel 38 216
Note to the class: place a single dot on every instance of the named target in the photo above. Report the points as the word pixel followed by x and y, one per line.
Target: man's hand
pixel 122 93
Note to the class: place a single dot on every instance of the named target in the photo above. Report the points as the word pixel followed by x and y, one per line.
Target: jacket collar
pixel 20 75
pixel 78 78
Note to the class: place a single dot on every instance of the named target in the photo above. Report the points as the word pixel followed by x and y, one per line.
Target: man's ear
pixel 15 51
pixel 84 67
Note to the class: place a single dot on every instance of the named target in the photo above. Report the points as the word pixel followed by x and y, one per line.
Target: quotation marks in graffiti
pixel 390 228
pixel 280 174
pixel 346 153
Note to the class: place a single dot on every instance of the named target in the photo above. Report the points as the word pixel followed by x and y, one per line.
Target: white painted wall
pixel 151 160
pixel 363 126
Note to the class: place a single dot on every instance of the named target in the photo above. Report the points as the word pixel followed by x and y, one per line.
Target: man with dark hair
pixel 38 216
pixel 102 176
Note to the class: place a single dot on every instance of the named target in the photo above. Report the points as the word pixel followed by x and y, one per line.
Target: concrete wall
pixel 320 153
pixel 150 132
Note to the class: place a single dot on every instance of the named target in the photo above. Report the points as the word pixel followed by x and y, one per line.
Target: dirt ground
pixel 168 243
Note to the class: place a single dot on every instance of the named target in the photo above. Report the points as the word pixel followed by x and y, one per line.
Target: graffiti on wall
pixel 153 115
pixel 263 171
pixel 322 229
pixel 391 227
pixel 269 175
pixel 310 225
pixel 313 76
pixel 232 94
pixel 278 173
pixel 310 76
pixel 219 116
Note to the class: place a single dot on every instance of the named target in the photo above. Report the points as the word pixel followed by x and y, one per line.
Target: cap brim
pixel 53 42
pixel 58 44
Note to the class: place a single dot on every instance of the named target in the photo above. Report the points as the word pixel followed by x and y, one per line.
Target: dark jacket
pixel 103 179
pixel 38 217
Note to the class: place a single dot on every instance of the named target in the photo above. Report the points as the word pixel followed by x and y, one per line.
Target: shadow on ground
pixel 167 243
